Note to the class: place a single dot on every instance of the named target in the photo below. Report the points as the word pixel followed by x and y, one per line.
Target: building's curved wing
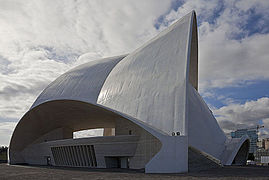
pixel 204 131
pixel 81 83
pixel 150 83
pixel 236 151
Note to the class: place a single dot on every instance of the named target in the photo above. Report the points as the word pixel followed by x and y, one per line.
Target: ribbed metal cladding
pixel 74 156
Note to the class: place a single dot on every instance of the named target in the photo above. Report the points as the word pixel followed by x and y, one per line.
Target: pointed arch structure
pixel 150 97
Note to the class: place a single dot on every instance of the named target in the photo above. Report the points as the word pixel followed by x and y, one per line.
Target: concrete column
pixel 109 132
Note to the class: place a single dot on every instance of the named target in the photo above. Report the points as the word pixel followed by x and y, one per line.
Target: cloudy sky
pixel 39 40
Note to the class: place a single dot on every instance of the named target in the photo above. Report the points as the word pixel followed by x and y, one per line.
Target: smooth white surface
pixel 81 83
pixel 172 158
pixel 150 83
pixel 204 131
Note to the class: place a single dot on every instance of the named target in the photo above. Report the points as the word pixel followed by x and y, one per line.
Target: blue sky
pixel 240 94
pixel 39 40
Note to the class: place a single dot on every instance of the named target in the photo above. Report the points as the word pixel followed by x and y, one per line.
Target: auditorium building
pixel 148 104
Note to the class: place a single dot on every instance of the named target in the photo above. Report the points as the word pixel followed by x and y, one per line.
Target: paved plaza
pixel 34 172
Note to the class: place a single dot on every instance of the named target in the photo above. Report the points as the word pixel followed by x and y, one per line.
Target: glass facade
pixel 252 134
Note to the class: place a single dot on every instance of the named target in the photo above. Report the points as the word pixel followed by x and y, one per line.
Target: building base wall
pixel 172 158
pixel 147 144
pixel 81 152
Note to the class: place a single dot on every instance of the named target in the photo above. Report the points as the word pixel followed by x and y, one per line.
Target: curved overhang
pixel 81 83
pixel 72 115
pixel 233 148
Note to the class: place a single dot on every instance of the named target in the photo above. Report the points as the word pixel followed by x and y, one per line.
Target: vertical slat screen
pixel 74 156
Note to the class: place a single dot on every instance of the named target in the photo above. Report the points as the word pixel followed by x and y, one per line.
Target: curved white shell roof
pixel 82 83
pixel 150 83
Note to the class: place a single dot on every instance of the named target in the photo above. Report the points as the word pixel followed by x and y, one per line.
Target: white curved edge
pixel 186 118
pixel 204 131
pixel 153 77
pixel 67 85
pixel 229 161
pixel 173 155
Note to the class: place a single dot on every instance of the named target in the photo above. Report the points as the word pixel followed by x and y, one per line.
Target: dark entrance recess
pixel 117 162
pixel 48 159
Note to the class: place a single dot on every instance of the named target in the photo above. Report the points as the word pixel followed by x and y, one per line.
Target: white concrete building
pixel 148 104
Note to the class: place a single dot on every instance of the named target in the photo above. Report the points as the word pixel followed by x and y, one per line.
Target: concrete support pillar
pixel 109 132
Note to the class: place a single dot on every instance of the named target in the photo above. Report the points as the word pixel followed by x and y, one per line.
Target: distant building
pixel 261 144
pixel 252 134
pixel 266 143
pixel 261 155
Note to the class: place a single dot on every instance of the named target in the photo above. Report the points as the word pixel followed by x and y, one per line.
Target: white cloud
pixel 87 57
pixel 88 133
pixel 249 114
pixel 205 9
pixel 6 129
pixel 228 54
pixel 39 40
pixel 227 62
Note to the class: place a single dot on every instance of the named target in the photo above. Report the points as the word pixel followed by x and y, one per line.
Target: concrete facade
pixel 266 144
pixel 148 104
